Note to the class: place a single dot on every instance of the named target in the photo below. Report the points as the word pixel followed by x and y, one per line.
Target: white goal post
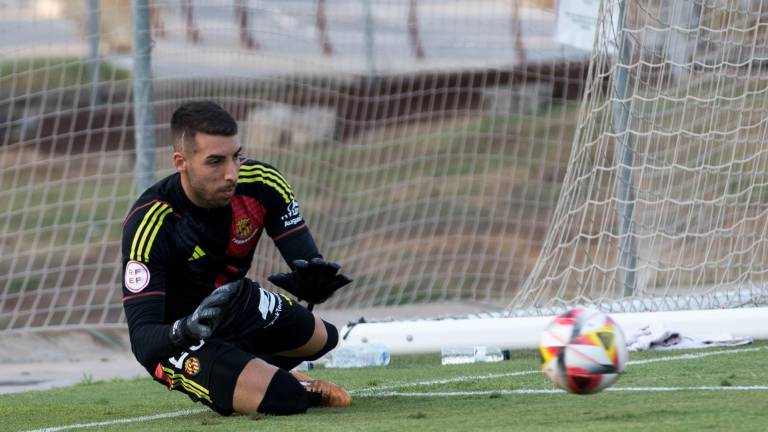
pixel 666 196
pixel 429 336
pixel 663 214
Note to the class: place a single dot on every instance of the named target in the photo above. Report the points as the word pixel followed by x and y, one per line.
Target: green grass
pixel 78 205
pixel 492 410
pixel 55 72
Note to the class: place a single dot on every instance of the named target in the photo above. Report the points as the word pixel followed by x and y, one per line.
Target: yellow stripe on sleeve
pixel 267 172
pixel 145 234
pixel 259 179
pixel 268 176
pixel 142 225
pixel 154 232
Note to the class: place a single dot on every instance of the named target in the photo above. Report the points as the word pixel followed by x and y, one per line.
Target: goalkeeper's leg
pixel 324 338
pixel 285 386
pixel 227 379
pixel 295 335
pixel 283 333
pixel 267 389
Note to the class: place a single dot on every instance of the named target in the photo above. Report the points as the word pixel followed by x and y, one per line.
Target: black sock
pixel 285 395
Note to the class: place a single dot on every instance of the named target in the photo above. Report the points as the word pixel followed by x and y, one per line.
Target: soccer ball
pixel 583 351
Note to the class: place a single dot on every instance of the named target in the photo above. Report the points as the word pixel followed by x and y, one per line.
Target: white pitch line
pixel 694 388
pixel 693 356
pixel 444 381
pixel 121 421
pixel 689 356
pixel 377 391
pixel 525 391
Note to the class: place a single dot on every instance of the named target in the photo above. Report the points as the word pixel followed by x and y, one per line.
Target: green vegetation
pixel 447 171
pixel 56 211
pixel 453 157
pixel 488 402
pixel 38 73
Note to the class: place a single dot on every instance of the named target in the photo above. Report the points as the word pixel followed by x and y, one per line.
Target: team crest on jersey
pixel 243 231
pixel 192 366
pixel 246 225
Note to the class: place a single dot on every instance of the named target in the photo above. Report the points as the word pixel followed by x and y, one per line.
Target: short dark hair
pixel 201 116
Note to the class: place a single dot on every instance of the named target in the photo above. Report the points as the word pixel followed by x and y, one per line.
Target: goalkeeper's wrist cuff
pixel 177 336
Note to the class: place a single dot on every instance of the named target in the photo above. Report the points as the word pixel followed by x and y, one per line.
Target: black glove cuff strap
pixel 177 336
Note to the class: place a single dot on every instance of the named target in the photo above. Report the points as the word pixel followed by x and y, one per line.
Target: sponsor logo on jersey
pixel 197 253
pixel 291 215
pixel 293 208
pixel 136 276
pixel 291 222
pixel 270 306
pixel 243 231
pixel 192 366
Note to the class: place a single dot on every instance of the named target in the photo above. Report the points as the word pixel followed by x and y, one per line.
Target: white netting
pixel 425 139
pixel 665 203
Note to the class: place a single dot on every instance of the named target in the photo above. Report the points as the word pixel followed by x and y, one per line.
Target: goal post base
pixel 428 336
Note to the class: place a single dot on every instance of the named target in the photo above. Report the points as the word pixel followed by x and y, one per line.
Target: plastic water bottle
pixel 353 356
pixel 476 354
pixel 305 366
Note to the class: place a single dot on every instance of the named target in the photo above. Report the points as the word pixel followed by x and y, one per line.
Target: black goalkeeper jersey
pixel 175 253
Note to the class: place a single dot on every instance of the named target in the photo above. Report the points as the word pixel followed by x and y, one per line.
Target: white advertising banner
pixel 577 22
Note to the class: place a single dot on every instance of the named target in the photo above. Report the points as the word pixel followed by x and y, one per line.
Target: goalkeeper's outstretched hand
pixel 314 280
pixel 203 321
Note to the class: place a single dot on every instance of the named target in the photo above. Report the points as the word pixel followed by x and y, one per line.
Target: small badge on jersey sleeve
pixel 136 276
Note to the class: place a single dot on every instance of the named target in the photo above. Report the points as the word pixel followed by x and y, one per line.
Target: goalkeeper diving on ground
pixel 196 323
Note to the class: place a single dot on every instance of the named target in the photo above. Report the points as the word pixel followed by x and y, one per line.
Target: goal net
pixel 665 203
pixel 427 141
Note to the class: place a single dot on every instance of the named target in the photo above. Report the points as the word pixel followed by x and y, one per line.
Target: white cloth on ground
pixel 656 336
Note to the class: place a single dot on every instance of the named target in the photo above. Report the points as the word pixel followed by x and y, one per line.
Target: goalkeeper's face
pixel 209 168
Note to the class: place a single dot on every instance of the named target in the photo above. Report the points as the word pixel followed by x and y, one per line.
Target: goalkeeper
pixel 196 323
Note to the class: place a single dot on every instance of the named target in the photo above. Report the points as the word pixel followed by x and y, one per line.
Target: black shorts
pixel 265 324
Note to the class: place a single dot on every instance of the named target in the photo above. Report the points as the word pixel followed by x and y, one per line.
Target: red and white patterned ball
pixel 583 351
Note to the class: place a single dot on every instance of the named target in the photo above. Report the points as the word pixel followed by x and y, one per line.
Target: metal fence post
pixel 143 111
pixel 624 158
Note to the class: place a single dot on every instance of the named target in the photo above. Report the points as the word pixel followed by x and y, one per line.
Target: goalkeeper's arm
pixel 312 278
pixel 152 340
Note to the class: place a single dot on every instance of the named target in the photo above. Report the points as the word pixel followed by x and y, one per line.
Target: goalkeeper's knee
pixel 330 343
pixel 285 396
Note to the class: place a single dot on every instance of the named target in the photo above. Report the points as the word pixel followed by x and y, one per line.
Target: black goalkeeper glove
pixel 314 280
pixel 203 321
